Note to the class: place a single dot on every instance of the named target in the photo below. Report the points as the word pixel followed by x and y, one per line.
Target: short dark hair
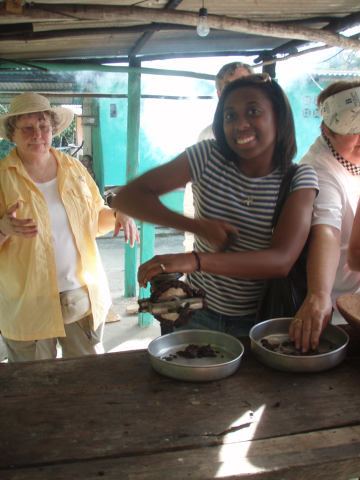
pixel 285 147
pixel 228 70
pixel 89 157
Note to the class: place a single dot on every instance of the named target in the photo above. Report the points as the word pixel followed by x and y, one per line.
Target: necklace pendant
pixel 248 200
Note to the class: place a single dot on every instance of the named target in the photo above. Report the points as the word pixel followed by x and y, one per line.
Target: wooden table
pixel 113 416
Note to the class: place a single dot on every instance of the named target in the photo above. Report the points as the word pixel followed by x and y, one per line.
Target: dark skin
pixel 251 122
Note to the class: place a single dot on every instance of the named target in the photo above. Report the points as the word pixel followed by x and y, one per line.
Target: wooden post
pixel 132 165
pixel 147 245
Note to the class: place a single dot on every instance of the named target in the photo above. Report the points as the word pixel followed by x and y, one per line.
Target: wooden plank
pixel 14 6
pixel 220 22
pixel 326 454
pixel 115 405
pixel 48 26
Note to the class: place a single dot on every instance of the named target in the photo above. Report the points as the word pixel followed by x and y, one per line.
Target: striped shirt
pixel 220 192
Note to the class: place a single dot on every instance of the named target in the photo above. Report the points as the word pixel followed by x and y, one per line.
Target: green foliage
pixel 345 60
pixel 5 147
pixel 66 137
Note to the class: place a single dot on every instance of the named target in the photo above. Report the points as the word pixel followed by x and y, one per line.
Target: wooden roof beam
pixel 334 25
pixel 176 17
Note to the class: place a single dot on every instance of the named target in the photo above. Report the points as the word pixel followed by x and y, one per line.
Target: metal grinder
pixel 172 302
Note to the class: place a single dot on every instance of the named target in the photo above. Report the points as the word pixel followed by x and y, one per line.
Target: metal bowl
pixel 333 342
pixel 207 369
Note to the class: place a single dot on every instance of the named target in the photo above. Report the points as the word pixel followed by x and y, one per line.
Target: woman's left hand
pixel 126 223
pixel 173 263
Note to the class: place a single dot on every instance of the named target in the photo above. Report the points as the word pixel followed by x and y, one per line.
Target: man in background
pixel 226 74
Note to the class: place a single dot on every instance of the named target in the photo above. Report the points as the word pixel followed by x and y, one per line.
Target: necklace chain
pixel 46 168
pixel 249 197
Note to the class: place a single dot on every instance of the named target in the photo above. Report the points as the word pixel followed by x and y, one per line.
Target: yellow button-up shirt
pixel 29 294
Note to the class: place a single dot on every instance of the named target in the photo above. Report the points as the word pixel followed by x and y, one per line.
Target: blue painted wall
pixel 302 97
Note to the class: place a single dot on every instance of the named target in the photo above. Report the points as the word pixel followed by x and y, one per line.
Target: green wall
pixel 302 97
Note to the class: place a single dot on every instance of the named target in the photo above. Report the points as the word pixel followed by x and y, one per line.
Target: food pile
pixel 288 348
pixel 193 351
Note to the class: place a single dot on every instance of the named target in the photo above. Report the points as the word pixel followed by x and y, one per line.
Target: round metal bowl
pixel 229 352
pixel 333 343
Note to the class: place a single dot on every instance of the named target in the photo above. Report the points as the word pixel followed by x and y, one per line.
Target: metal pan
pixel 208 369
pixel 332 347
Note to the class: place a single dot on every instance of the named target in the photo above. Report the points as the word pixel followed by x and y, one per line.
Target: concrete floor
pixel 126 334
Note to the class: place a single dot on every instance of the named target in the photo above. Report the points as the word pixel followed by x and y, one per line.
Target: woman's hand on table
pixel 310 321
pixel 10 225
pixel 218 235
pixel 173 263
pixel 126 223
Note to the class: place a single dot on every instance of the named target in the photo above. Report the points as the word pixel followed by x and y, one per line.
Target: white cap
pixel 341 112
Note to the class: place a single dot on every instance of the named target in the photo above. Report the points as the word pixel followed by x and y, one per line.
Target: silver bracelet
pixel 3 234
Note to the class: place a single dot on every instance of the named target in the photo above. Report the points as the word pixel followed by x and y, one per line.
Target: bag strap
pixel 284 191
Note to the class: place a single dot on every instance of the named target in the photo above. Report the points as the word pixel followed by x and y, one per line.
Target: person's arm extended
pixel 108 222
pixel 322 262
pixel 140 200
pixel 11 225
pixel 354 243
pixel 288 240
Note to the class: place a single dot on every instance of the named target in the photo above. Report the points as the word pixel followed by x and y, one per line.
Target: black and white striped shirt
pixel 220 192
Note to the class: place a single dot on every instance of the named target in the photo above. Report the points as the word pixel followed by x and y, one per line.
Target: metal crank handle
pixel 170 307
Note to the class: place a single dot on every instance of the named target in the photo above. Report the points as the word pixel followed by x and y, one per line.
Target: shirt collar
pixel 350 167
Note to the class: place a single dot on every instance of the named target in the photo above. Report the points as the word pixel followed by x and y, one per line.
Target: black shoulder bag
pixel 282 297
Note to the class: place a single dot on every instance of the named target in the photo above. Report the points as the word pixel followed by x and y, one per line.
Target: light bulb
pixel 203 28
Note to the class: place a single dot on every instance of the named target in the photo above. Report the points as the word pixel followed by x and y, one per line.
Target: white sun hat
pixel 341 112
pixel 31 102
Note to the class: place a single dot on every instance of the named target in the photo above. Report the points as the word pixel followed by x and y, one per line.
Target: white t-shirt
pixel 336 206
pixel 68 265
pixel 206 134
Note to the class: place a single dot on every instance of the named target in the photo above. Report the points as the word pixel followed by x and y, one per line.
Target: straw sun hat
pixel 30 102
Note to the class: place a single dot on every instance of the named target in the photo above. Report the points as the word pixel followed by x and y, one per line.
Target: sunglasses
pixel 258 78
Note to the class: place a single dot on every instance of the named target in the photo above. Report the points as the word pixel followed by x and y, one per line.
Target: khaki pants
pixel 80 340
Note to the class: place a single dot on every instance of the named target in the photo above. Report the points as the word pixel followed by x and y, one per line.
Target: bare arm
pixel 107 222
pixel 140 199
pixel 286 245
pixel 354 243
pixel 322 262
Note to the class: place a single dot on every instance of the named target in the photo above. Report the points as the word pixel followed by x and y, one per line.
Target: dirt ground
pixel 125 334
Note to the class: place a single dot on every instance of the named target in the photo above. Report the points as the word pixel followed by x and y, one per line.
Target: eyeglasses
pixel 31 130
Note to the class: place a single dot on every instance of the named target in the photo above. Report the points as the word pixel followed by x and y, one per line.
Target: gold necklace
pixel 249 197
pixel 35 175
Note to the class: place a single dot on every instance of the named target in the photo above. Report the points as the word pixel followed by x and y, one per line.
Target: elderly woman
pixel 335 156
pixel 52 284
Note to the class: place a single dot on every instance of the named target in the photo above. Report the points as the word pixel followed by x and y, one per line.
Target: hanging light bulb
pixel 203 28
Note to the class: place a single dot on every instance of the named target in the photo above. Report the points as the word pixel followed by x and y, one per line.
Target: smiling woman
pixel 235 181
pixel 52 284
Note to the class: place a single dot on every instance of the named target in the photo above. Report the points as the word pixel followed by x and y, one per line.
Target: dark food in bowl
pixel 288 348
pixel 194 351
